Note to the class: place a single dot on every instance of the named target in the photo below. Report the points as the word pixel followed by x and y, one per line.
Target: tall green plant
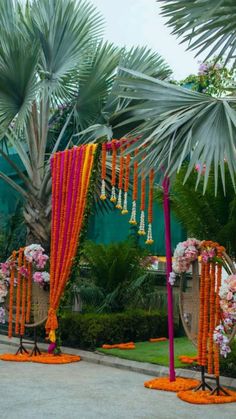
pixel 115 270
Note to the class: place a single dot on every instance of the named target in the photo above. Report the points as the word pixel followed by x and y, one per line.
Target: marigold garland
pixel 18 292
pixel 121 175
pixel 23 302
pixel 126 185
pixel 206 317
pixel 217 303
pixel 11 295
pixel 133 220
pixel 44 358
pixel 150 207
pixel 128 345
pixel 104 156
pixel 153 340
pixel 164 383
pixel 29 292
pixel 201 317
pixel 113 172
pixel 141 231
pixel 212 319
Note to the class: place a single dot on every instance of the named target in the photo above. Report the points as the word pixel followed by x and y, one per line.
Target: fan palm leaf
pixel 206 25
pixel 179 124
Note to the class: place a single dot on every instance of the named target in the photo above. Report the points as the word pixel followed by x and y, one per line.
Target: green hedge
pixel 92 330
pixel 228 365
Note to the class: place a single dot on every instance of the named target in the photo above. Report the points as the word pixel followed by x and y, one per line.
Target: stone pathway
pixel 87 390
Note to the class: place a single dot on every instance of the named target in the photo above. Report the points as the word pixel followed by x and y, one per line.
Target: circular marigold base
pixel 44 358
pixel 204 397
pixel 164 383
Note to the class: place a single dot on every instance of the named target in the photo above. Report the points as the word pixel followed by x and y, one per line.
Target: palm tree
pixel 56 79
pixel 206 25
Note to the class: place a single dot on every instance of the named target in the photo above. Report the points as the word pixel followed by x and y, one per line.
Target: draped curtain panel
pixel 71 170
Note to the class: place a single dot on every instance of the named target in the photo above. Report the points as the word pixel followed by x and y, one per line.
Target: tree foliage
pixel 209 26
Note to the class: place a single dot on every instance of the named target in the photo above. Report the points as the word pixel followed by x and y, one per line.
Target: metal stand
pixel 35 351
pixel 21 350
pixel 218 389
pixel 204 385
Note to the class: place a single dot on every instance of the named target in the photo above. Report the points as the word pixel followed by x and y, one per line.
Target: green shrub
pixel 89 331
pixel 228 365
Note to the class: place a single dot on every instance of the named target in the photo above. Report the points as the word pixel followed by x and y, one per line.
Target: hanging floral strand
pixel 135 192
pixel 104 156
pixel 23 301
pixel 113 175
pixel 218 315
pixel 150 207
pixel 29 291
pixel 121 175
pixel 11 294
pixel 18 292
pixel 126 187
pixel 141 231
pixel 212 319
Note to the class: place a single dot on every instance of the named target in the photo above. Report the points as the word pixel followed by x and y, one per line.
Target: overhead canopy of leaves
pixel 205 24
pixel 179 125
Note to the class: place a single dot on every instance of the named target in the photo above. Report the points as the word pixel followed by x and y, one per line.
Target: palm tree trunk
pixel 37 219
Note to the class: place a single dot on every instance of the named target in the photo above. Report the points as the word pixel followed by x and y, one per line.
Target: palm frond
pixel 205 25
pixel 95 79
pixel 18 82
pixel 64 29
pixel 180 124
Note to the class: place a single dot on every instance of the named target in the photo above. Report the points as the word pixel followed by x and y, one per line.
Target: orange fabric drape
pixel 71 170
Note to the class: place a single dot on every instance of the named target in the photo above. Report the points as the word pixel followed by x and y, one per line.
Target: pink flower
pixel 37 277
pixel 229 296
pixel 24 271
pixel 4 268
pixel 41 261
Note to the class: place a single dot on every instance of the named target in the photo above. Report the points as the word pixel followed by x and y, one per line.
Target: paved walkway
pixel 89 391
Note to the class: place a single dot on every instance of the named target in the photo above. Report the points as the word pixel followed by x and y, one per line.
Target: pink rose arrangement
pixel 227 295
pixel 35 254
pixel 185 253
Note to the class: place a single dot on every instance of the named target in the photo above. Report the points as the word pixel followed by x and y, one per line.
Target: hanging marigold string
pixel 11 294
pixel 201 311
pixel 121 175
pixel 113 173
pixel 150 207
pixel 18 292
pixel 29 292
pixel 23 302
pixel 133 220
pixel 217 310
pixel 141 230
pixel 126 186
pixel 104 157
pixel 206 315
pixel 212 318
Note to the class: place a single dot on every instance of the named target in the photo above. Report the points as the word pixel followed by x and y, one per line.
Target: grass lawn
pixel 155 353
